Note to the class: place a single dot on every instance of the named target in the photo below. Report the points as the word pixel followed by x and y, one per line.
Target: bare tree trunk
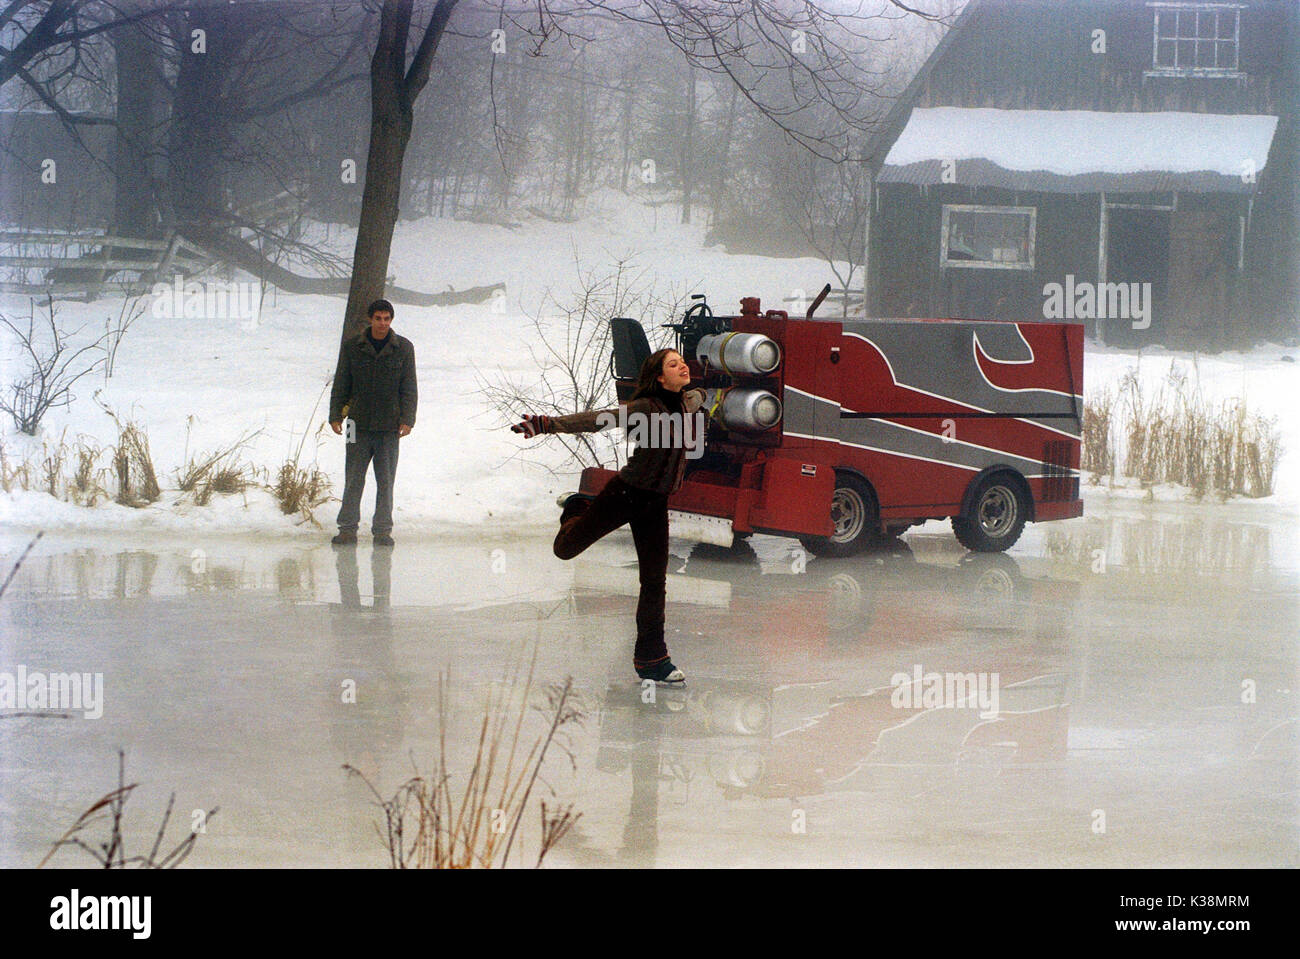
pixel 688 152
pixel 629 84
pixel 137 70
pixel 201 127
pixel 723 154
pixel 394 89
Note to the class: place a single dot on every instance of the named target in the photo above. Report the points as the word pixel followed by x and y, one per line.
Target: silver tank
pixel 750 411
pixel 751 353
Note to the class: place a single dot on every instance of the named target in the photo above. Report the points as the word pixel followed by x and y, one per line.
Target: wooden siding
pixel 1038 56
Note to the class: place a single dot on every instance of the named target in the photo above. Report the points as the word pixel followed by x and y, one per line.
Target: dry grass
pixel 1098 456
pixel 14 475
pixel 431 824
pixel 66 470
pixel 52 467
pixel 137 482
pixel 132 463
pixel 300 489
pixel 110 853
pixel 217 471
pixel 86 483
pixel 1176 435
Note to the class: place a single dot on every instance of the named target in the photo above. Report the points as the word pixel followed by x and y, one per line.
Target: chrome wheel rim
pixel 997 511
pixel 849 514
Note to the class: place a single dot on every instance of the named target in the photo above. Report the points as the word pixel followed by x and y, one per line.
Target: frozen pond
pixel 1145 666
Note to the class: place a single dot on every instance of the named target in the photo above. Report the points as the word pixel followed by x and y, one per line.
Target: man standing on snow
pixel 374 386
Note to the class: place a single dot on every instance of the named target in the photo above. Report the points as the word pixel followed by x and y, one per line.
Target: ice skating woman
pixel 638 495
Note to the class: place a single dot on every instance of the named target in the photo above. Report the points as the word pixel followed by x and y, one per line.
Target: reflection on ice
pixel 1121 649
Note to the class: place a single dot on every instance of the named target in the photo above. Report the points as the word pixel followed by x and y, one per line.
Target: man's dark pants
pixel 380 448
pixel 647 514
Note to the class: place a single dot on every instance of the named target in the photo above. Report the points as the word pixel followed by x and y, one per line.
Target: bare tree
pixel 394 87
pixel 53 368
pixel 832 201
pixel 816 46
pixel 784 57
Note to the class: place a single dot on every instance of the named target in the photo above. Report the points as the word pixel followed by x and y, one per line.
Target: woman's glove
pixel 532 425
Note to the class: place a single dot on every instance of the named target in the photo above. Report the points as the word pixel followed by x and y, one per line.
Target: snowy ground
pixel 207 382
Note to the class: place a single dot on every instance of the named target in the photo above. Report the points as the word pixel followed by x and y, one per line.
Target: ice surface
pixel 1120 691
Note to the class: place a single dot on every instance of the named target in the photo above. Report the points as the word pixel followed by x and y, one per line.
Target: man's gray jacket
pixel 377 390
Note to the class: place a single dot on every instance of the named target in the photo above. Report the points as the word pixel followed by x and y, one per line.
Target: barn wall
pixel 1200 297
pixel 906 244
pixel 1037 54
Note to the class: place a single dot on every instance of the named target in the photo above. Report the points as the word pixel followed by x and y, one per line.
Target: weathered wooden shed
pixel 1129 163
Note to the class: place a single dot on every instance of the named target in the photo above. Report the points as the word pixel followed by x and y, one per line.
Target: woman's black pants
pixel 647 514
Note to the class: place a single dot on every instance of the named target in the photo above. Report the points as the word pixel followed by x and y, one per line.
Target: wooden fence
pixel 87 263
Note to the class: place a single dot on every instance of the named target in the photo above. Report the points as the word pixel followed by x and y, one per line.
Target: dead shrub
pixel 428 826
pixel 1176 435
pixel 300 489
pixel 110 852
pixel 14 475
pixel 137 483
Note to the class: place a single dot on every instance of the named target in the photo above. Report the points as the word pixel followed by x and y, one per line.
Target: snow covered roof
pixel 1081 151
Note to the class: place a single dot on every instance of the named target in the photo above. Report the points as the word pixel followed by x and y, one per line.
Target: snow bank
pixel 224 378
pixel 221 379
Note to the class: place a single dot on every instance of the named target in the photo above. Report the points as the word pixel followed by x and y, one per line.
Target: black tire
pixel 856 515
pixel 997 516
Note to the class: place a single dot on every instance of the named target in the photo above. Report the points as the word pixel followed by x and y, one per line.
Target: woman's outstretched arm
pixel 591 421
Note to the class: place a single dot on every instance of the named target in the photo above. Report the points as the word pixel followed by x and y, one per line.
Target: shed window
pixel 1196 40
pixel 987 237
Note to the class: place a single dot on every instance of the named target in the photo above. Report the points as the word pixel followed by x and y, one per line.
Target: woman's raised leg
pixel 611 508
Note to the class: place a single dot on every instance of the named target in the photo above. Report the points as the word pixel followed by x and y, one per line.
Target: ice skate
pixel 664 673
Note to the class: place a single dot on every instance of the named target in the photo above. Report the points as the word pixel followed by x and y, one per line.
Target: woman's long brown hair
pixel 647 381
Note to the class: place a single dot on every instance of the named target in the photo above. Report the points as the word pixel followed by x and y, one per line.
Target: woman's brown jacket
pixel 658 464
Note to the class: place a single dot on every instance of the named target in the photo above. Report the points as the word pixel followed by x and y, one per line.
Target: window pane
pixel 1205 24
pixel 993 237
pixel 1166 54
pixel 1227 25
pixel 1228 55
pixel 1186 53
